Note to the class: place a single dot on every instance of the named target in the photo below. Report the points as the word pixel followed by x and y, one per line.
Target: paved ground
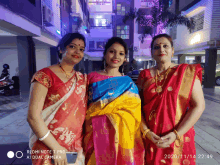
pixel 14 130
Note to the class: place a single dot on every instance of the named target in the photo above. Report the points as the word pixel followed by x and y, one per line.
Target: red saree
pixel 163 112
pixel 63 112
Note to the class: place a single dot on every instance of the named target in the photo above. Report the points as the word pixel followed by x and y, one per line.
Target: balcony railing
pixel 101 27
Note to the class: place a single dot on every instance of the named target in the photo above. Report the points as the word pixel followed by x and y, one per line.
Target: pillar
pixel 210 67
pixel 181 58
pixel 26 63
pixel 54 59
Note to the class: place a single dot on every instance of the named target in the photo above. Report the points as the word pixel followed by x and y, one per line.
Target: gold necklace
pixel 159 88
pixel 68 75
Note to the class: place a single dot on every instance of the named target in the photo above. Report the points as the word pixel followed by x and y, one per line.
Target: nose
pixel 116 55
pixel 77 50
pixel 162 48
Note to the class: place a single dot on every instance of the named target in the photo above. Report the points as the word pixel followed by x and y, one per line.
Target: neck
pixel 67 67
pixel 112 71
pixel 163 66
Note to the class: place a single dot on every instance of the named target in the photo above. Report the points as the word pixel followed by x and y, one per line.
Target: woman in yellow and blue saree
pixel 112 134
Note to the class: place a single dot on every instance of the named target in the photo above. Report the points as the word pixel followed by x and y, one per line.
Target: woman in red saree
pixel 172 102
pixel 57 106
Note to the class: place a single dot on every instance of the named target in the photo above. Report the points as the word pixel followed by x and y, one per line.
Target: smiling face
pixel 115 56
pixel 162 50
pixel 74 52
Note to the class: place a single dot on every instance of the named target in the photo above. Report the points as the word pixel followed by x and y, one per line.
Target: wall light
pixel 195 39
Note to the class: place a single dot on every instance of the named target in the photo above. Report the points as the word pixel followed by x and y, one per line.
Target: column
pixel 86 66
pixel 210 66
pixel 54 59
pixel 181 58
pixel 26 63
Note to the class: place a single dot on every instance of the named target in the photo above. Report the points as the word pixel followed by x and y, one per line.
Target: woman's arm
pixel 192 115
pixel 38 94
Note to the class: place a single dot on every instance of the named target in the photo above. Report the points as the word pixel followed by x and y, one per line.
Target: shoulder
pixel 81 76
pixel 43 76
pixel 145 73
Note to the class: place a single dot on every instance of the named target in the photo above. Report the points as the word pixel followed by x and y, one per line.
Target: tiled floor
pixel 14 130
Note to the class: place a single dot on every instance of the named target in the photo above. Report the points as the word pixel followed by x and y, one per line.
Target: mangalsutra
pixel 159 88
pixel 68 75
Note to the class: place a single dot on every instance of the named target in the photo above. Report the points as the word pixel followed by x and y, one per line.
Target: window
pixel 100 44
pixel 91 44
pixel 123 32
pixel 199 20
pixel 120 9
pixel 173 32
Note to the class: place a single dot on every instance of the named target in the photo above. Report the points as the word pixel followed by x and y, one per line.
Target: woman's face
pixel 115 55
pixel 74 52
pixel 162 50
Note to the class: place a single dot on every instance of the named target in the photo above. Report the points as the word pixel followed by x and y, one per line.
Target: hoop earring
pixel 123 70
pixel 104 66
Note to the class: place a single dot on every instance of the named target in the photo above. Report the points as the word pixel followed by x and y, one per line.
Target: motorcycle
pixel 6 84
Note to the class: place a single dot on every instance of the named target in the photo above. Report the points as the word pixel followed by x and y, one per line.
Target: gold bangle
pixel 177 135
pixel 145 133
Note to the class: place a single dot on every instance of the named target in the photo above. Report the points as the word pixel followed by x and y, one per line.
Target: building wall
pixel 185 3
pixel 42 57
pixel 10 57
pixel 25 9
pixel 215 24
pixel 184 37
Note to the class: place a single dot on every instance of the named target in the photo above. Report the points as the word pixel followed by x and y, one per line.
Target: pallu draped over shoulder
pixel 112 134
pixel 63 112
pixel 163 112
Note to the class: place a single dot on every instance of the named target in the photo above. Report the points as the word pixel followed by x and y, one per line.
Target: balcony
pixel 101 27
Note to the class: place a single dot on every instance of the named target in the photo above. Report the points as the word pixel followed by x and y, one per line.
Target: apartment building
pixel 203 43
pixel 30 31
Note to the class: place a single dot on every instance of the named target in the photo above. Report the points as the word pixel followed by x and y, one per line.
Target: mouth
pixel 115 61
pixel 75 56
pixel 161 55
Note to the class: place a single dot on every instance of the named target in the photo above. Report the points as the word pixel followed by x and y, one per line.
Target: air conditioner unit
pixel 47 16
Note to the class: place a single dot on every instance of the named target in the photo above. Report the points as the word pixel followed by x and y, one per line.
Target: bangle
pixel 45 136
pixel 177 135
pixel 145 133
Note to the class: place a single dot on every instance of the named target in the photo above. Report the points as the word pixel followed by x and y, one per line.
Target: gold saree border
pixel 182 99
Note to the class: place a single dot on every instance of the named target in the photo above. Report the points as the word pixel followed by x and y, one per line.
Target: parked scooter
pixel 6 84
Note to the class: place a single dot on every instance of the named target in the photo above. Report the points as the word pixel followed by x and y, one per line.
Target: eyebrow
pixel 77 45
pixel 120 51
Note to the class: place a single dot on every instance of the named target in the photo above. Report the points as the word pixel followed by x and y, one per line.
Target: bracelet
pixel 45 136
pixel 145 133
pixel 177 135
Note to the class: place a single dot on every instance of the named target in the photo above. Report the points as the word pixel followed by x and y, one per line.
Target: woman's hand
pixel 60 156
pixel 153 137
pixel 167 140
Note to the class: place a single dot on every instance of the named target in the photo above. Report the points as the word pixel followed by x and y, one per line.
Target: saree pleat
pixel 113 123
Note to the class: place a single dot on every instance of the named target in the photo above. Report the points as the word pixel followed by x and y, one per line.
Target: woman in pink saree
pixel 57 106
pixel 172 102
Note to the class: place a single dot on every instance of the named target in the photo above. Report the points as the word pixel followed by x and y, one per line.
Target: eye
pixel 111 51
pixel 156 47
pixel 82 50
pixel 165 46
pixel 72 46
pixel 122 54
